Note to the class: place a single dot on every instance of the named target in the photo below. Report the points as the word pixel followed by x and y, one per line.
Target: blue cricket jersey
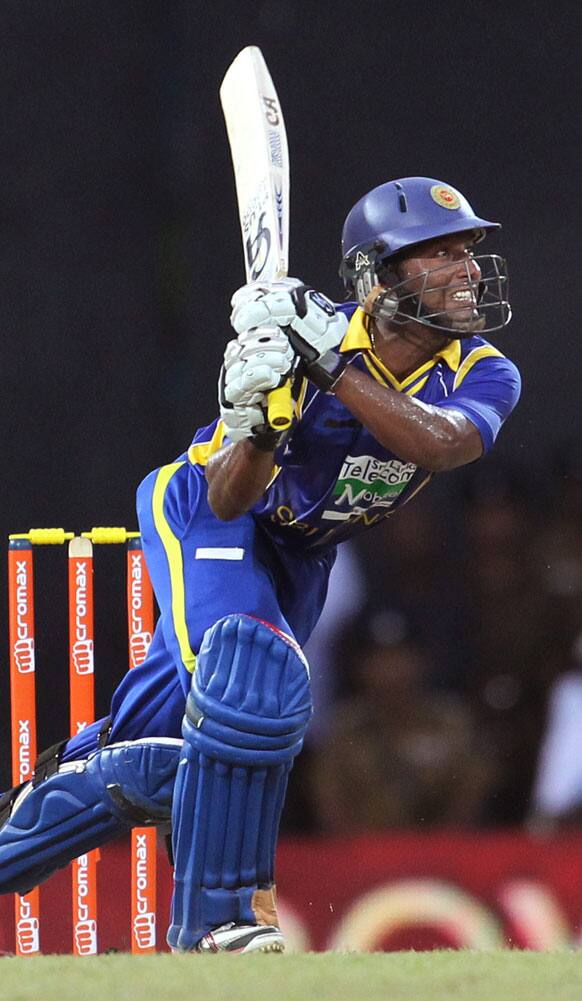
pixel 332 478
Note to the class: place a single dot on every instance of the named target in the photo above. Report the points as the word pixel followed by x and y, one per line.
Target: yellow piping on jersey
pixel 382 375
pixel 200 452
pixel 485 351
pixel 417 387
pixel 173 550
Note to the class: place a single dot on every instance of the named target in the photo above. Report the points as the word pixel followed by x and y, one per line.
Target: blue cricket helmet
pixel 401 213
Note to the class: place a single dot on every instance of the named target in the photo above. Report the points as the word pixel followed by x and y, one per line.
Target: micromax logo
pixel 82 652
pixel 24 742
pixel 140 637
pixel 27 929
pixel 85 926
pixel 23 647
pixel 144 922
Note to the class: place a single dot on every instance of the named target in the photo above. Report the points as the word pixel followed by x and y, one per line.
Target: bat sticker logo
pixel 257 248
pixel 279 210
pixel 271 110
pixel 276 148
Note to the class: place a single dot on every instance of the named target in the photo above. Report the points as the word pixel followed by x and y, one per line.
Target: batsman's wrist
pixel 266 441
pixel 326 372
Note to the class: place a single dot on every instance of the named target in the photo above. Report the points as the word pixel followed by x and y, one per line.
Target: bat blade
pixel 260 156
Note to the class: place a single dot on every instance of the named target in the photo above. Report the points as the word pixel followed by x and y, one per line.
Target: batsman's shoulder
pixel 476 351
pixel 482 368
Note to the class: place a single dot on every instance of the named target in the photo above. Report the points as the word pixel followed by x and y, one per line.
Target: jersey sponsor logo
pixel 445 197
pixel 366 482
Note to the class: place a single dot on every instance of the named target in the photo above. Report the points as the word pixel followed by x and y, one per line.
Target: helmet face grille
pixel 487 294
pixel 482 305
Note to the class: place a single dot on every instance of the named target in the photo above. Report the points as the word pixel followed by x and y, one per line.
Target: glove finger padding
pixel 243 422
pixel 258 361
pixel 260 305
pixel 265 339
pixel 256 290
pixel 233 386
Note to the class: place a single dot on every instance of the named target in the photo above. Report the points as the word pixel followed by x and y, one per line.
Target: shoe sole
pixel 271 947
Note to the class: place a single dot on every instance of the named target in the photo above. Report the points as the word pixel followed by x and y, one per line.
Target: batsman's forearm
pixel 416 432
pixel 237 476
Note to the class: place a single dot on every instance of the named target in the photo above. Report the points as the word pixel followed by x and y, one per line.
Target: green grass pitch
pixel 402 976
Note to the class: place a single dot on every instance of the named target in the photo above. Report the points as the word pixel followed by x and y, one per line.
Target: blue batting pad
pixel 84 804
pixel 245 720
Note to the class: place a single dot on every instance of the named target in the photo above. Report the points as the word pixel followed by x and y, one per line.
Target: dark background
pixel 119 234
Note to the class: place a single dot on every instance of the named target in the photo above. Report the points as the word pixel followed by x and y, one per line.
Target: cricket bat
pixel 260 156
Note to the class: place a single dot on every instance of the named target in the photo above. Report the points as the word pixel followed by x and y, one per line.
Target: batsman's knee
pixel 70 808
pixel 250 702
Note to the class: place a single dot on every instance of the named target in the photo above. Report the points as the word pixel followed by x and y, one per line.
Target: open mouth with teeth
pixel 462 300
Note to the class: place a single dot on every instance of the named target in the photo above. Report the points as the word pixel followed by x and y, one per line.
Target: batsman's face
pixel 445 277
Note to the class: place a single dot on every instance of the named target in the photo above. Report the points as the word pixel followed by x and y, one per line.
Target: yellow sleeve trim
pixel 173 550
pixel 200 453
pixel 486 351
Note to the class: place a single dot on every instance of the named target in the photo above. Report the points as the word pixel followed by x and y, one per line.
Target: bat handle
pixel 280 407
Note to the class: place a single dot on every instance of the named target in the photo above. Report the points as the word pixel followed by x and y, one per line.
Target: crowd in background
pixel 447 667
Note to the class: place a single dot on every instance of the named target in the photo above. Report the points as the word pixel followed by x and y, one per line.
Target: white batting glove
pixel 243 421
pixel 257 361
pixel 256 290
pixel 290 303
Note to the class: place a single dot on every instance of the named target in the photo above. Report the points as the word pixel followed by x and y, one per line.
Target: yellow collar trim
pixel 451 353
pixel 357 338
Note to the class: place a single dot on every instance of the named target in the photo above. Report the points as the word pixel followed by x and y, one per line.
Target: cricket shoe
pixel 242 938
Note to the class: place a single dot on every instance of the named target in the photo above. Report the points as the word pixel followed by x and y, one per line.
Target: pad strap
pixel 47 763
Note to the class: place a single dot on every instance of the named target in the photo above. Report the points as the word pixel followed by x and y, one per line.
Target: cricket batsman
pixel 240 535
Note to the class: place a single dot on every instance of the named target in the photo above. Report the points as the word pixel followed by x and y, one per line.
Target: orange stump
pixel 140 621
pixel 140 616
pixel 23 713
pixel 82 712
